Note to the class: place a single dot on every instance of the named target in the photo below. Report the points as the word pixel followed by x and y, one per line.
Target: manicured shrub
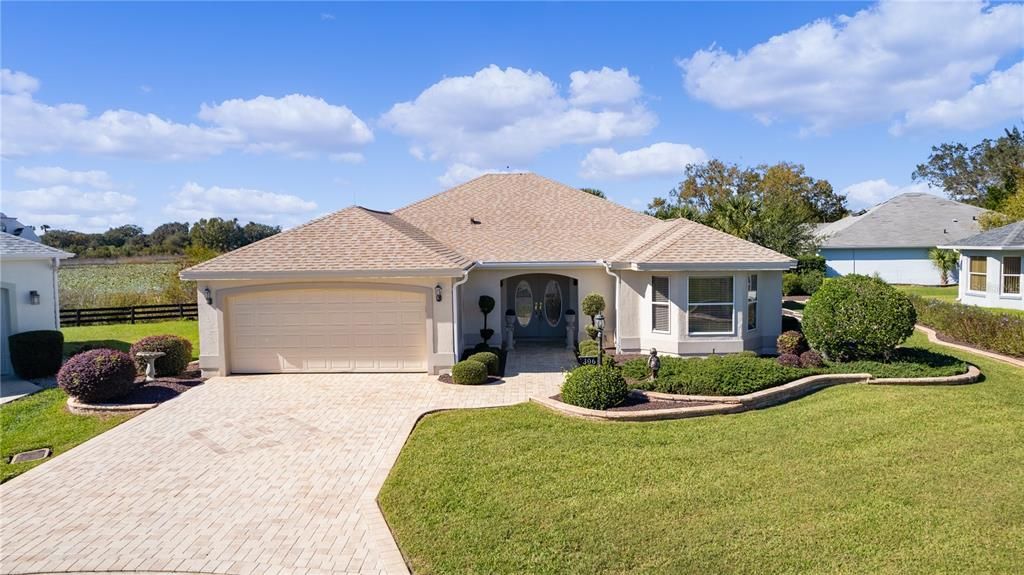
pixel 486 304
pixel 994 331
pixel 810 262
pixel 469 372
pixel 592 305
pixel 489 359
pixel 97 375
pixel 811 280
pixel 790 323
pixel 858 317
pixel 788 360
pixel 811 359
pixel 591 331
pixel 791 342
pixel 588 348
pixel 733 374
pixel 791 284
pixel 906 362
pixel 594 387
pixel 36 353
pixel 177 354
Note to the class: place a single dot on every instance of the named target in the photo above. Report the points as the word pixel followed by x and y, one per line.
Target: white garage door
pixel 327 330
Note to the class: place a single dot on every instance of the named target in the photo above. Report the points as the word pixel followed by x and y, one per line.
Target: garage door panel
pixel 327 330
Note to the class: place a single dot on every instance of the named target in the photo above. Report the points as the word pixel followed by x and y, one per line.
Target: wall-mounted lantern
pixel 209 296
pixel 437 292
pixel 33 297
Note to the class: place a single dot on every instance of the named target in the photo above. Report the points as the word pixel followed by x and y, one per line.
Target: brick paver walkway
pixel 247 474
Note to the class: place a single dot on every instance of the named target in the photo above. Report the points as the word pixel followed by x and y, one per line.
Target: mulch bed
pixel 447 378
pixel 161 390
pixel 642 403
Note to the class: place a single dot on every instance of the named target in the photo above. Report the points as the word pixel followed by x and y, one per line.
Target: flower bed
pixel 971 325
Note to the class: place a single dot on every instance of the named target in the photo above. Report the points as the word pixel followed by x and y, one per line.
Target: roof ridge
pixel 660 239
pixel 442 192
pixel 424 239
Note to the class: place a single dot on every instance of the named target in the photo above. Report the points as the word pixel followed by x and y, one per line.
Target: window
pixel 978 269
pixel 659 304
pixel 752 301
pixel 710 305
pixel 1011 275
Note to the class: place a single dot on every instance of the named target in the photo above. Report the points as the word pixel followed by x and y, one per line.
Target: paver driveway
pixel 247 474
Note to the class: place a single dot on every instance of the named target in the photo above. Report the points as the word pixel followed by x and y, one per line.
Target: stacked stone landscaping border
pixel 737 403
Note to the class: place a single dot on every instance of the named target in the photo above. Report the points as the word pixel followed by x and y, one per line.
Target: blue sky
pixel 143 113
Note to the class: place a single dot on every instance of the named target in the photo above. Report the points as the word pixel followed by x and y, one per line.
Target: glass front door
pixel 539 302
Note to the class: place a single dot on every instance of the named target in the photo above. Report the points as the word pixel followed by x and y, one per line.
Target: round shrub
pixel 97 375
pixel 791 284
pixel 811 280
pixel 489 359
pixel 592 305
pixel 789 360
pixel 177 353
pixel 594 387
pixel 811 359
pixel 791 342
pixel 469 372
pixel 858 317
pixel 591 331
pixel 36 353
pixel 588 348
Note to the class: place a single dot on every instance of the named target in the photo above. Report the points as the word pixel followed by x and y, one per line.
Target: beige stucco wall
pixel 636 335
pixel 213 344
pixel 20 277
pixel 992 296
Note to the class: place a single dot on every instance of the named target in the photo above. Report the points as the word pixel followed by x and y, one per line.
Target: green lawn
pixel 852 479
pixel 123 335
pixel 42 420
pixel 947 294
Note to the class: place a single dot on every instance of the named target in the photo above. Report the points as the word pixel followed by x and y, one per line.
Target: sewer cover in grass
pixel 33 455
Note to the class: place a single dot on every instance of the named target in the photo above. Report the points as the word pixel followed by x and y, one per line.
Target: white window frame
pixel 731 304
pixel 1003 275
pixel 752 288
pixel 667 304
pixel 971 274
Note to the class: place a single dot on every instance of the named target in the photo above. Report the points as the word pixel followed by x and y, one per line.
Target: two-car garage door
pixel 327 330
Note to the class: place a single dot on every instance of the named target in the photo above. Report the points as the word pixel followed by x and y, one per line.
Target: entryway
pixel 540 302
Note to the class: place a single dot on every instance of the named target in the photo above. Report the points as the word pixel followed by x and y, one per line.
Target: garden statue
pixel 654 363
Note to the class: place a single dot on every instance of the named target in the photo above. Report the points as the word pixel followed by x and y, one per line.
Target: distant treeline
pixel 214 235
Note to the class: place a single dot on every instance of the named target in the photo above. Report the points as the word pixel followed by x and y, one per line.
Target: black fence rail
pixel 133 314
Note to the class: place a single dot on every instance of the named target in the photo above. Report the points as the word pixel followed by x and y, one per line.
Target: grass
pixel 852 479
pixel 116 285
pixel 42 420
pixel 122 336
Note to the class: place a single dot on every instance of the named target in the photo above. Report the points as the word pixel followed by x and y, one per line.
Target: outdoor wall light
pixel 33 297
pixel 437 292
pixel 209 296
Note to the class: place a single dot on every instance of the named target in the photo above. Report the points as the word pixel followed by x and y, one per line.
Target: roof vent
pixel 955 220
pixel 944 231
pixel 474 221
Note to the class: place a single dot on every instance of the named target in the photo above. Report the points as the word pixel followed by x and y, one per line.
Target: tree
pixel 594 192
pixel 253 232
pixel 984 174
pixel 1011 210
pixel 945 261
pixel 172 236
pixel 216 234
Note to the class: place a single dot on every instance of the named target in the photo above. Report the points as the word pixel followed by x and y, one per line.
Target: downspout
pixel 455 312
pixel 618 280
pixel 56 294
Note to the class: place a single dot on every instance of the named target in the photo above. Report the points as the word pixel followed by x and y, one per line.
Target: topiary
pixel 591 331
pixel 791 284
pixel 592 305
pixel 811 280
pixel 594 387
pixel 858 317
pixel 97 375
pixel 486 304
pixel 489 359
pixel 177 353
pixel 789 360
pixel 589 348
pixel 36 354
pixel 469 372
pixel 791 342
pixel 811 359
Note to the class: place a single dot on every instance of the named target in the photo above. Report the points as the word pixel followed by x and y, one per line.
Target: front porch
pixel 538 357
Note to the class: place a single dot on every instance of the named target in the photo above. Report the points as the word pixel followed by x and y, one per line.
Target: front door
pixel 539 301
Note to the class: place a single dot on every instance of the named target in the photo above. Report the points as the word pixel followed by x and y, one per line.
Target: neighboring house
pixel 893 238
pixel 11 225
pixel 28 288
pixel 363 290
pixel 992 267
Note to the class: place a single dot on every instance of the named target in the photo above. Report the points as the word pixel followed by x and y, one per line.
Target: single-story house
pixel 28 289
pixel 364 290
pixel 11 225
pixel 893 238
pixel 992 267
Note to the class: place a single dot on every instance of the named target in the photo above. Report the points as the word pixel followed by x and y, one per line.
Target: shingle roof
pixel 13 247
pixel 907 220
pixel 682 241
pixel 351 240
pixel 1011 236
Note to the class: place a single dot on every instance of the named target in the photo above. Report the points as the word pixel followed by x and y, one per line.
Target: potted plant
pixel 486 304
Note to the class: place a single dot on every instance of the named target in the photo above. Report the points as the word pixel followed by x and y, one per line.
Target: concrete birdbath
pixel 150 357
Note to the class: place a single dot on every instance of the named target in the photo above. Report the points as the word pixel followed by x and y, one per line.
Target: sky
pixel 143 113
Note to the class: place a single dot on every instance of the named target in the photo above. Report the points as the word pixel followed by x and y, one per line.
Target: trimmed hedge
pixel 791 342
pixel 906 362
pixel 858 317
pixel 490 361
pixel 469 372
pixel 791 284
pixel 177 350
pixel 589 348
pixel 594 387
pixel 811 280
pixel 990 330
pixel 97 375
pixel 811 359
pixel 36 354
pixel 810 262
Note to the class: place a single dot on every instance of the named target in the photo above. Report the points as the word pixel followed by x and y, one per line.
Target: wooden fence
pixel 77 317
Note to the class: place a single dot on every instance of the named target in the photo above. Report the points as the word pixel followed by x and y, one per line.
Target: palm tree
pixel 945 261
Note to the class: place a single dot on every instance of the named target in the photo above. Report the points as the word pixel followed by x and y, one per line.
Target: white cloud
pixel 661 159
pixel 881 62
pixel 52 175
pixel 348 158
pixel 326 16
pixel 870 192
pixel 295 125
pixel 194 201
pixel 70 207
pixel 999 98
pixel 604 86
pixel 503 117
